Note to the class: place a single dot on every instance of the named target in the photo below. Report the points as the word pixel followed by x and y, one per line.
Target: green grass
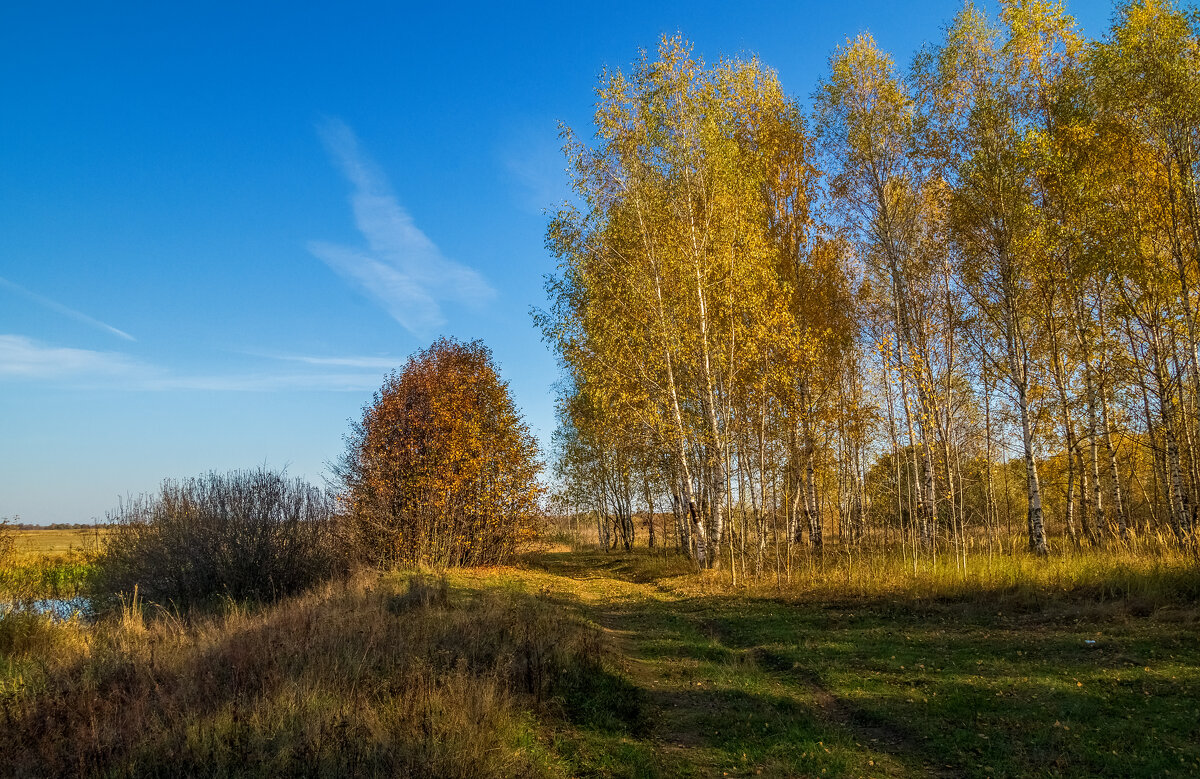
pixel 38 577
pixel 959 681
pixel 635 665
pixel 985 694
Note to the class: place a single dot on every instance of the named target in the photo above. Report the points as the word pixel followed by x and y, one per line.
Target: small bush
pixel 8 543
pixel 442 470
pixel 246 535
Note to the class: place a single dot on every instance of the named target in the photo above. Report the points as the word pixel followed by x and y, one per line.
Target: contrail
pixel 64 310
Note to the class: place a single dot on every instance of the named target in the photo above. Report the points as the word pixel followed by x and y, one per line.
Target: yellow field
pixel 50 542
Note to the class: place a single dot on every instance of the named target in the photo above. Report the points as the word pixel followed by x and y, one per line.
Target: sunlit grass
pixel 591 664
pixel 59 541
pixel 38 577
pixel 1156 572
pixel 388 676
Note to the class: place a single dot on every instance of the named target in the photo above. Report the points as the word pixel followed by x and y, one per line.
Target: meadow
pixel 58 541
pixel 575 662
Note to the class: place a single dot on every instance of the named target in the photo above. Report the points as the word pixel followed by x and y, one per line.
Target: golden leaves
pixel 443 462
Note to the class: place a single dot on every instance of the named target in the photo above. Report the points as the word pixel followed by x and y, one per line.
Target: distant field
pixel 43 542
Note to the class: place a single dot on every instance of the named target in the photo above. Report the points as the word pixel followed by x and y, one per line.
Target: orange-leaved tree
pixel 442 470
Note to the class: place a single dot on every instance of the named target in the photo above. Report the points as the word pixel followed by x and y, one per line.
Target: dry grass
pixel 495 672
pixel 33 543
pixel 1155 573
pixel 373 677
pixel 1148 570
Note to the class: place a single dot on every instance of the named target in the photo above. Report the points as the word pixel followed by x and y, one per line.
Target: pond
pixel 57 608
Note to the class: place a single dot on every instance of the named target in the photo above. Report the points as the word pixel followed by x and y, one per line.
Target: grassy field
pixel 586 664
pixel 993 685
pixel 32 543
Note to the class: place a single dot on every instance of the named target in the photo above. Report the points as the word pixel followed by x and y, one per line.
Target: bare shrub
pixel 244 535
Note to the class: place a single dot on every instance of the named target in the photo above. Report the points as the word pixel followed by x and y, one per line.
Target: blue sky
pixel 222 223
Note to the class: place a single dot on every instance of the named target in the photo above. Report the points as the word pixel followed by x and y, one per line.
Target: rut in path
pixel 671 647
pixel 864 725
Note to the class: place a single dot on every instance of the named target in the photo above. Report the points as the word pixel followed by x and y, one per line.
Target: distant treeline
pixel 58 526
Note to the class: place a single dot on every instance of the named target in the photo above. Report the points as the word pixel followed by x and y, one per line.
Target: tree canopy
pixel 442 470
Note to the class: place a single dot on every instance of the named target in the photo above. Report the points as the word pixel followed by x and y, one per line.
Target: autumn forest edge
pixel 940 308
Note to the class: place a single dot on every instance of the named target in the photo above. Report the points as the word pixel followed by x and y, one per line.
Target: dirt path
pixel 880 734
pixel 727 706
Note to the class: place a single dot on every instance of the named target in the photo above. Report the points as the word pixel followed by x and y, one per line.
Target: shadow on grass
pixel 489 679
pixel 642 567
pixel 1084 682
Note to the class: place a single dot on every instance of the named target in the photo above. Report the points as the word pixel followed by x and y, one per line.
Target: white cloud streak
pixel 383 363
pixel 22 357
pixel 308 382
pixel 66 311
pixel 532 156
pixel 400 269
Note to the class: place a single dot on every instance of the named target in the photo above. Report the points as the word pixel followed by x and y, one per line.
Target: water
pixel 57 608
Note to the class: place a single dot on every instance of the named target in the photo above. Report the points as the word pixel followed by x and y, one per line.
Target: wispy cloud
pixel 23 357
pixel 383 363
pixel 532 156
pixel 266 382
pixel 400 267
pixel 66 311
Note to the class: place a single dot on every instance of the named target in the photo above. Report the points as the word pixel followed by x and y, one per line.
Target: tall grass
pixel 8 542
pixel 394 677
pixel 39 577
pixel 1150 568
pixel 1119 571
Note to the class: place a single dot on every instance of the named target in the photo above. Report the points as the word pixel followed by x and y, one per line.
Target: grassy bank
pixel 36 565
pixel 377 677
